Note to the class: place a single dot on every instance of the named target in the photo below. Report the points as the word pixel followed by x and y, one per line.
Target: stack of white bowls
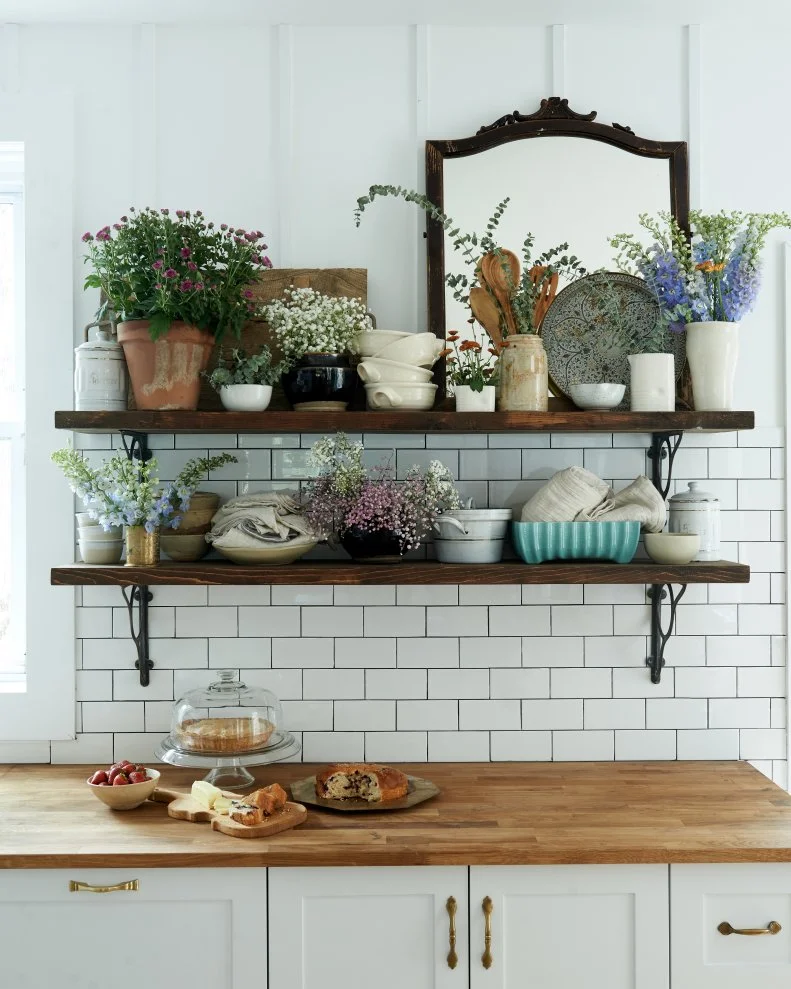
pixel 396 369
pixel 96 545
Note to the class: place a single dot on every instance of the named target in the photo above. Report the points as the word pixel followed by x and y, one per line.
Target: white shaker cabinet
pixel 354 928
pixel 152 928
pixel 569 926
pixel 754 900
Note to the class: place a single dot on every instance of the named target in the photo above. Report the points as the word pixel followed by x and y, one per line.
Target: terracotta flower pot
pixel 165 373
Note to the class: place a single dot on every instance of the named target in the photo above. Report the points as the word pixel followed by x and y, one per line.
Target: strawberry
pixel 137 777
pixel 100 776
pixel 114 773
pixel 120 780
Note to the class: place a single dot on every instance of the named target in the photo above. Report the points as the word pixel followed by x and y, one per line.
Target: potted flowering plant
pixel 122 492
pixel 471 374
pixel 377 519
pixel 317 334
pixel 244 383
pixel 177 283
pixel 705 285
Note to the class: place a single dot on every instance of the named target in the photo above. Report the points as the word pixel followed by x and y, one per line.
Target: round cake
pixel 223 735
pixel 361 781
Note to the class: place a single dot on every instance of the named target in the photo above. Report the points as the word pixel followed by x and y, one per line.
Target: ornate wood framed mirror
pixel 590 181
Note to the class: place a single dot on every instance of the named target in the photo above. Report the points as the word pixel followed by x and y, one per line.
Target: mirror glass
pixel 561 188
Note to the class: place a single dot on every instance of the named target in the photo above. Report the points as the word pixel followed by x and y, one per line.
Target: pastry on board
pixel 361 781
pixel 245 813
pixel 270 799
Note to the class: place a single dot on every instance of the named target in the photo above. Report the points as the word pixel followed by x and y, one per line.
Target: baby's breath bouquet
pixel 344 500
pixel 125 492
pixel 310 322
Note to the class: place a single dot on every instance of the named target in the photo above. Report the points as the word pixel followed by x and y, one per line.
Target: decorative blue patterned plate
pixel 536 542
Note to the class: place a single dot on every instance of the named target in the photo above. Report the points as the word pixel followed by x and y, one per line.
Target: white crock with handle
pixel 697 511
pixel 100 377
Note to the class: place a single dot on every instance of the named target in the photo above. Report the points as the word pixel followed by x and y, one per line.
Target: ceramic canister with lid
pixel 100 379
pixel 697 511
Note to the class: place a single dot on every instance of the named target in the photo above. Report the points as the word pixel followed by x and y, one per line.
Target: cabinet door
pixel 346 928
pixel 748 897
pixel 569 926
pixel 179 927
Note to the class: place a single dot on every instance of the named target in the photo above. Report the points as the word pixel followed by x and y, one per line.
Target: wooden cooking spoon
pixel 546 294
pixel 502 283
pixel 487 312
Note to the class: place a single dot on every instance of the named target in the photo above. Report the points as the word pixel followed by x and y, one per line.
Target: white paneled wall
pixel 283 127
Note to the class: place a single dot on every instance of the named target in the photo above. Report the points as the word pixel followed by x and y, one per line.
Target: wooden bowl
pixel 126 797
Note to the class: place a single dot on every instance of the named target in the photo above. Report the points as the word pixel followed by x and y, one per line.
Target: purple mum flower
pixel 170 273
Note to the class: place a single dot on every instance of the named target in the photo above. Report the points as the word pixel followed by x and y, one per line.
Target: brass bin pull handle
pixel 771 928
pixel 450 906
pixel 487 907
pixel 131 886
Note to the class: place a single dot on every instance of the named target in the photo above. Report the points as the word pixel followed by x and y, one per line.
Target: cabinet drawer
pixel 751 899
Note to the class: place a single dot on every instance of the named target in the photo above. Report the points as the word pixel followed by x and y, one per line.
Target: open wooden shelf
pixel 441 420
pixel 408 572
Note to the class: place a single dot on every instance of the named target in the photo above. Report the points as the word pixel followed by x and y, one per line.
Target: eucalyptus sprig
pixel 257 369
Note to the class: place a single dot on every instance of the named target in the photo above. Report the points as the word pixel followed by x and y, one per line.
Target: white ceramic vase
pixel 246 398
pixel 712 355
pixel 653 382
pixel 468 400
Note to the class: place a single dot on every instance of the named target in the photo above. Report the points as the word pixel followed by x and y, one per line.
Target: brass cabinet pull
pixel 131 886
pixel 450 906
pixel 486 957
pixel 771 928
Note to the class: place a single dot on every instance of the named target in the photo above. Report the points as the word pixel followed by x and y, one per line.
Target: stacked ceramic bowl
pixel 188 543
pixel 96 544
pixel 396 369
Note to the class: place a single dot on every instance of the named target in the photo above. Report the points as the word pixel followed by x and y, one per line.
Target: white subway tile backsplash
pixel 458 746
pixel 475 672
pixel 583 746
pixel 519 683
pixel 521 746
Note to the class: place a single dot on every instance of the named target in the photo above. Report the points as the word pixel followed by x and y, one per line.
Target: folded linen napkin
pixel 262 517
pixel 565 496
pixel 639 502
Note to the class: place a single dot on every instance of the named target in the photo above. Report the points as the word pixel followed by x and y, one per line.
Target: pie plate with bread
pixel 261 814
pixel 361 786
pixel 225 727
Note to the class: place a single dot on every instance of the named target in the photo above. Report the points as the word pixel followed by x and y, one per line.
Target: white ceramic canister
pixel 697 511
pixel 652 382
pixel 100 378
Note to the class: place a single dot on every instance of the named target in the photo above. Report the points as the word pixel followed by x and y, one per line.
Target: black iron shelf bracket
pixel 664 447
pixel 137 600
pixel 136 446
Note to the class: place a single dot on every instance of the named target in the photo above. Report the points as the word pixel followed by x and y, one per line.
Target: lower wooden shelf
pixel 417 572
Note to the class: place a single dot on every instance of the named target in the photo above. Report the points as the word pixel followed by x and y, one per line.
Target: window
pixel 37 652
pixel 12 498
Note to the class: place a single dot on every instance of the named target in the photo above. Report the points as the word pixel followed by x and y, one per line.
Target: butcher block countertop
pixel 486 814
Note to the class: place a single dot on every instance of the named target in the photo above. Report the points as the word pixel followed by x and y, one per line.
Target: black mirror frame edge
pixel 554 117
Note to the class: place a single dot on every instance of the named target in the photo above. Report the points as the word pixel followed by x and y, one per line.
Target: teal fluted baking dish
pixel 536 542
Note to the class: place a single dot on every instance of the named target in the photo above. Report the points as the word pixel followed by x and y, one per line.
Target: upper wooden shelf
pixel 408 572
pixel 444 421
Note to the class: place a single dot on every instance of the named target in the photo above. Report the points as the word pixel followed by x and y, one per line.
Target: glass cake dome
pixel 225 727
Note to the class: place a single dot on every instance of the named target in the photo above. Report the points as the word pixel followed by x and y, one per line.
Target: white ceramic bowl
pixel 674 548
pixel 469 551
pixel 101 552
pixel 84 520
pixel 400 396
pixel 96 534
pixel 372 341
pixel 374 370
pixel 271 555
pixel 473 524
pixel 126 797
pixel 597 396
pixel 422 349
pixel 246 398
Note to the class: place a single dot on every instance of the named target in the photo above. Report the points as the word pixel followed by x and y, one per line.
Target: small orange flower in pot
pixel 471 372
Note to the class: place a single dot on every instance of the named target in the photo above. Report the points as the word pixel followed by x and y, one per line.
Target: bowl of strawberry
pixel 124 785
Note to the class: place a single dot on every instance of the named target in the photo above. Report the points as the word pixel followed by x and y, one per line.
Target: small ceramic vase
pixel 653 382
pixel 712 355
pixel 524 385
pixel 468 400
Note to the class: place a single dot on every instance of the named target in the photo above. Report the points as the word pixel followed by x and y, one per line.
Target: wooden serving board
pixel 184 807
pixel 419 791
